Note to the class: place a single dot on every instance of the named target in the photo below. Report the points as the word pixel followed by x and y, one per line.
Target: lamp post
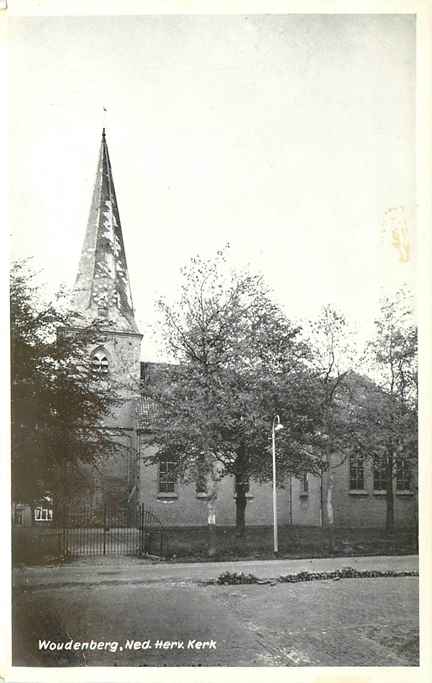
pixel 276 427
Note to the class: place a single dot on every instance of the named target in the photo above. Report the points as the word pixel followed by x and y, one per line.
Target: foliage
pixel 345 573
pixel 57 405
pixel 390 413
pixel 387 415
pixel 239 361
pixel 373 414
pixel 237 578
pixel 334 360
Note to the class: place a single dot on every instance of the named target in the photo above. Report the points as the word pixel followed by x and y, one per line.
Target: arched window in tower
pixel 99 363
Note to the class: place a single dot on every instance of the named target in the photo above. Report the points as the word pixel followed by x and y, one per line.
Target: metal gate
pixel 92 532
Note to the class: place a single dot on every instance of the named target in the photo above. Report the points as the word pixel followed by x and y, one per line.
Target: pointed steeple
pixel 102 290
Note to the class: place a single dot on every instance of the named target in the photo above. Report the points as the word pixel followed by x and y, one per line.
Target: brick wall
pixel 114 480
pixel 350 509
pixel 186 508
pixel 368 508
pixel 306 507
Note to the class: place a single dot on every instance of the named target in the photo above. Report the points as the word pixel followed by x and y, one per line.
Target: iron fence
pixel 89 531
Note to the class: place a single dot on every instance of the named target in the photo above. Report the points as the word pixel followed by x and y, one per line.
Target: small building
pixel 41 513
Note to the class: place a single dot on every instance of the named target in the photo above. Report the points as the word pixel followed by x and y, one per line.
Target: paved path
pixel 124 604
pixel 134 571
pixel 351 622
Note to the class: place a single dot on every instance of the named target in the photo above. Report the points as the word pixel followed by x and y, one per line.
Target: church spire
pixel 102 290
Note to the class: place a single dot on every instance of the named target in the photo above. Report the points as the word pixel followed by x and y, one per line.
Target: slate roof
pixel 102 289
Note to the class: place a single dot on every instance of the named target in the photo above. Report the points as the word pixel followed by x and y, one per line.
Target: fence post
pixel 145 532
pixel 63 531
pixel 59 543
pixel 144 527
pixel 104 528
pixel 141 528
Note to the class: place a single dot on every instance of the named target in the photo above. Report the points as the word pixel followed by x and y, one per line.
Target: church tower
pixel 102 296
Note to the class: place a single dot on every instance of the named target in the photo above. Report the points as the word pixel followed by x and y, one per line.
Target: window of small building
pixel 380 475
pixel 356 465
pixel 403 477
pixel 42 514
pixel 167 476
pixel 19 517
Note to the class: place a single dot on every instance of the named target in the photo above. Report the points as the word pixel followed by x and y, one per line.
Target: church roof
pixel 102 290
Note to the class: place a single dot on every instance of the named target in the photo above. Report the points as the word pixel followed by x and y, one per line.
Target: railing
pixel 90 531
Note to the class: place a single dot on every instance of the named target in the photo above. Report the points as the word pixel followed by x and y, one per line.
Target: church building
pixel 102 293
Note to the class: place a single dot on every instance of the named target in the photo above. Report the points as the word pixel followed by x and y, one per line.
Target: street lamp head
pixel 277 425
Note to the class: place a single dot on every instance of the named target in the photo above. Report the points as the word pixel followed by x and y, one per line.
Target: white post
pixel 275 530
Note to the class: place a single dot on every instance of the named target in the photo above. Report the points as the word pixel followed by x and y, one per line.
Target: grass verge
pixel 191 544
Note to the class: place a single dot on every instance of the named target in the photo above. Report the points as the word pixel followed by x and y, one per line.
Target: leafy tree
pixel 334 358
pixel 372 414
pixel 238 361
pixel 57 404
pixel 388 415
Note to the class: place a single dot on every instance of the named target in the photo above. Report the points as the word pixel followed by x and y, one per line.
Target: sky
pixel 292 137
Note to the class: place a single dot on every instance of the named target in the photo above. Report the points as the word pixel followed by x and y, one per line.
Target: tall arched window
pixel 356 472
pixel 99 362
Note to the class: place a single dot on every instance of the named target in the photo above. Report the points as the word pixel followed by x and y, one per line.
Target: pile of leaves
pixel 236 578
pixel 344 573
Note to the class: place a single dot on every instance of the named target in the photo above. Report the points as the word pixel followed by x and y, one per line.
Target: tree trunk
pixel 322 516
pixel 241 488
pixel 389 495
pixel 241 502
pixel 212 494
pixel 330 510
pixel 211 520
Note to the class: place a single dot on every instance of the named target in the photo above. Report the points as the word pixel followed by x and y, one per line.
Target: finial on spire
pixel 104 119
